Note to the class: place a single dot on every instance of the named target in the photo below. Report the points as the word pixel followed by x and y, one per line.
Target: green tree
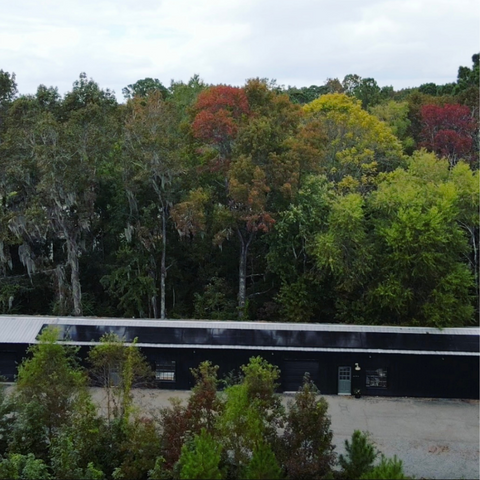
pixel 138 451
pixel 468 77
pixel 421 249
pixel 387 469
pixel 8 87
pixel 215 303
pixel 145 87
pixel 359 457
pixel 118 368
pixel 402 253
pixel 201 459
pixel 306 448
pixel 153 164
pixel 395 115
pixel 57 149
pixel 252 414
pixel 24 467
pixel 77 451
pixel 306 94
pixel 344 252
pixel 6 420
pixel 66 461
pixel 50 389
pixel 364 89
pixel 263 465
pixel 303 292
pixel 18 180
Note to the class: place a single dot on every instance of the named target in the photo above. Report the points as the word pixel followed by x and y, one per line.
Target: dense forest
pixel 50 428
pixel 344 202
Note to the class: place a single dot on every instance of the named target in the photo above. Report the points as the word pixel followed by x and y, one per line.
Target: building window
pixel 165 371
pixel 376 378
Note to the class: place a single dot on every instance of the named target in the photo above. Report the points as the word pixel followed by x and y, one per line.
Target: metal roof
pixel 236 325
pixel 249 335
pixel 18 329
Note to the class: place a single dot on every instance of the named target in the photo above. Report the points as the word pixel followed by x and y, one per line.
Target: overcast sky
pixel 298 42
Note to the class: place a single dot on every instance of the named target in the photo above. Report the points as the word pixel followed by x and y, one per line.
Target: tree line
pixel 50 428
pixel 345 202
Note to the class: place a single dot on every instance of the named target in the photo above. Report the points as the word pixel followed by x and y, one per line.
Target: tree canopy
pixel 327 203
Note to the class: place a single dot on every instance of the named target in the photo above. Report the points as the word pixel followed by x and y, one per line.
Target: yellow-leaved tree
pixel 356 145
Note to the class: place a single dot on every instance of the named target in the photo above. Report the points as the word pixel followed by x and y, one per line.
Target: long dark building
pixel 377 360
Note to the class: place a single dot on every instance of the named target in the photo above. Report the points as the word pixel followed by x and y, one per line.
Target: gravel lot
pixel 435 438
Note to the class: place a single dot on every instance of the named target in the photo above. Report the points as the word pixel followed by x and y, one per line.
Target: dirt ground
pixel 435 438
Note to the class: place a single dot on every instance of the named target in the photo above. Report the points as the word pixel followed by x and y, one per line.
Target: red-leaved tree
pixel 449 131
pixel 243 132
pixel 219 111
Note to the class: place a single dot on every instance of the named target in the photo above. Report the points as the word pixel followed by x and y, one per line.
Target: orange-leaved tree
pixel 243 134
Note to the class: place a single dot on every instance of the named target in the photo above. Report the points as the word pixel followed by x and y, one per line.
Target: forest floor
pixel 435 438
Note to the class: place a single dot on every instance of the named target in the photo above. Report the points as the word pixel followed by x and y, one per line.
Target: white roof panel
pixel 24 329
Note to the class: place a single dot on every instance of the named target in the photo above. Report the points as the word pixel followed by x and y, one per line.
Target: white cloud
pixel 399 42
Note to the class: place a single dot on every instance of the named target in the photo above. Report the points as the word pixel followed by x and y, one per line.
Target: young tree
pixel 175 425
pixel 252 414
pixel 202 412
pixel 138 451
pixel 263 465
pixel 6 420
pixel 387 469
pixel 24 467
pixel 118 368
pixel 50 389
pixel 204 406
pixel 306 448
pixel 201 458
pixel 77 452
pixel 360 456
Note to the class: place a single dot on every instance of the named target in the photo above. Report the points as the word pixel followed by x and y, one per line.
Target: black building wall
pixel 419 375
pixel 11 356
pixel 407 375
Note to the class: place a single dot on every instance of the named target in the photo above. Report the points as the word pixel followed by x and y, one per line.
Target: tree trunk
pixel 75 278
pixel 163 268
pixel 242 273
pixel 153 275
pixel 61 297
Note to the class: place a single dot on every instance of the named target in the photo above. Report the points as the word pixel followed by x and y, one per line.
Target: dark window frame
pixel 165 371
pixel 376 378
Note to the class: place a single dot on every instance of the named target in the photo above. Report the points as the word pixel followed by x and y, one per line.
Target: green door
pixel 344 380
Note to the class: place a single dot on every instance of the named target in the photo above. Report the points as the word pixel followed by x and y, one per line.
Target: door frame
pixel 344 373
